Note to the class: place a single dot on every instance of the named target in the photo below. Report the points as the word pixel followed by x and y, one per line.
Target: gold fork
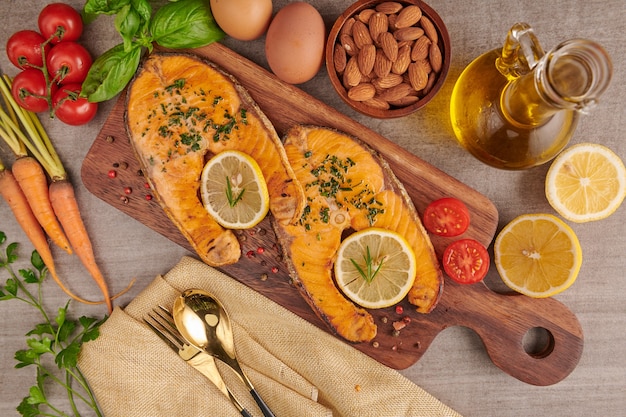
pixel 161 322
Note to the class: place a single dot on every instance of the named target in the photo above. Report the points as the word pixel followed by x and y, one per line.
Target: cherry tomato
pixel 72 109
pixel 61 21
pixel 30 90
pixel 446 217
pixel 69 62
pixel 466 261
pixel 24 49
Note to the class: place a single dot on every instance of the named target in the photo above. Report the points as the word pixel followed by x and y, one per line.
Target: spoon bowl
pixel 204 323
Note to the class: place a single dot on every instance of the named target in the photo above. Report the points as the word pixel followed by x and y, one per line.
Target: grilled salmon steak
pixel 348 187
pixel 180 111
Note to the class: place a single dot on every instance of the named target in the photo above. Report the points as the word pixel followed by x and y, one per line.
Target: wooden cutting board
pixel 501 321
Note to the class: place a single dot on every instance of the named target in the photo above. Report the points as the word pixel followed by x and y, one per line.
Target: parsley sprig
pixel 57 337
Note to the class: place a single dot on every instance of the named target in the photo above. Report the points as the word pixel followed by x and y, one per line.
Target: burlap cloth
pixel 297 368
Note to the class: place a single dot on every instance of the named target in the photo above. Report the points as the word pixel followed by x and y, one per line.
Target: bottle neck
pixel 571 77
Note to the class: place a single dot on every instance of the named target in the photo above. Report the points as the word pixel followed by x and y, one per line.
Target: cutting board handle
pixel 503 321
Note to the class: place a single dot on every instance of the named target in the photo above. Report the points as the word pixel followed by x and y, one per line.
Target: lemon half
pixel 586 182
pixel 538 255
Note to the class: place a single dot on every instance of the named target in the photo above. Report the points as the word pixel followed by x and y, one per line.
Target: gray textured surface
pixel 456 368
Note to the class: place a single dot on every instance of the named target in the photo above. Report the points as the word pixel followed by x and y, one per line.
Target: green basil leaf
pixel 110 73
pixel 94 7
pixel 143 8
pixel 127 23
pixel 185 24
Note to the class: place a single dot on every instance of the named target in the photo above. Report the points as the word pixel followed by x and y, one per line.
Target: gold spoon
pixel 203 322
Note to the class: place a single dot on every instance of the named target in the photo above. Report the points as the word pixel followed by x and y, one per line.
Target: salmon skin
pixel 348 188
pixel 181 110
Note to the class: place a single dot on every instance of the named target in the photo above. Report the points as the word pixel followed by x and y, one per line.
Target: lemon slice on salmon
pixel 234 190
pixel 375 267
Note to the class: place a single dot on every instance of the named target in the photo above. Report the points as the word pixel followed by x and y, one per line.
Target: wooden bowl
pixel 355 88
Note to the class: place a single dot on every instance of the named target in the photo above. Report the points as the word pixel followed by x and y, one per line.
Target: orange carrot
pixel 65 206
pixel 13 195
pixel 33 182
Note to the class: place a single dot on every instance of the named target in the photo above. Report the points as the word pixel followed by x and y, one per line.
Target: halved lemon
pixel 538 255
pixel 375 267
pixel 234 190
pixel 586 182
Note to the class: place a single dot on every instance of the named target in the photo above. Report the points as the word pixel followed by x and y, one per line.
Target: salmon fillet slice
pixel 348 187
pixel 180 111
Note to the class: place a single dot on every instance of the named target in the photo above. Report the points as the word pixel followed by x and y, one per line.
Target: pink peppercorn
pixel 112 173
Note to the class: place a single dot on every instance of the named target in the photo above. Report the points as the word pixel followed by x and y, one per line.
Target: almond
pixel 434 56
pixel 389 7
pixel 420 48
pixel 378 24
pixel 365 15
pixel 377 103
pixel 361 34
pixel 346 29
pixel 339 58
pixel 348 44
pixel 432 77
pixel 388 81
pixel 352 75
pixel 408 34
pixel 408 16
pixel 405 101
pixel 397 92
pixel 366 58
pixel 418 77
pixel 401 64
pixel 389 45
pixel 382 64
pixel 429 29
pixel 362 92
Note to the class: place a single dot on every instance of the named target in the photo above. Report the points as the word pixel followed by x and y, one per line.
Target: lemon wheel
pixel 375 267
pixel 234 190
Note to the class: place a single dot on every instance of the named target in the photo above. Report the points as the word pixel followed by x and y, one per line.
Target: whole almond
pixel 389 45
pixel 434 56
pixel 401 64
pixel 348 44
pixel 365 15
pixel 346 29
pixel 408 34
pixel 389 7
pixel 388 81
pixel 378 24
pixel 377 103
pixel 392 20
pixel 405 101
pixel 361 34
pixel 362 92
pixel 366 58
pixel 408 16
pixel 432 77
pixel 339 58
pixel 352 75
pixel 397 92
pixel 420 48
pixel 382 64
pixel 418 76
pixel 429 29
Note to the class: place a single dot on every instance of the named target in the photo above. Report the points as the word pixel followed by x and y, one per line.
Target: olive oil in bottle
pixel 517 107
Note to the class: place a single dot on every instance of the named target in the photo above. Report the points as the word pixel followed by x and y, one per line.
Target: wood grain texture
pixel 500 320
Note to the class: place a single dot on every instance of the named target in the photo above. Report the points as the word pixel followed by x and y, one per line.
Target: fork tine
pixel 160 320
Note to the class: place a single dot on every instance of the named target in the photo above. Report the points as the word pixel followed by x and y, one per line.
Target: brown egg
pixel 294 44
pixel 242 19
